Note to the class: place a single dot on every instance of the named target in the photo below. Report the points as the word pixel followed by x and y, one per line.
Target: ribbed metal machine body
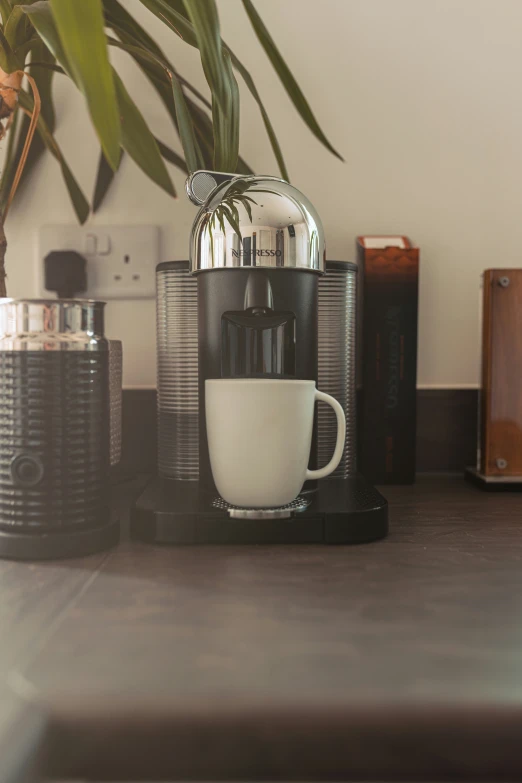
pixel 337 332
pixel 177 346
pixel 115 399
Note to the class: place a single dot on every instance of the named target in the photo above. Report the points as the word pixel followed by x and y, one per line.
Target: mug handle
pixel 341 437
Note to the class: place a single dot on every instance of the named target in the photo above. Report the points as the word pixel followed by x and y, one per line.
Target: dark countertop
pixel 400 659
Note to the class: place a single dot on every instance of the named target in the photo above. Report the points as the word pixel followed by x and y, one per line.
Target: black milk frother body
pixel 55 421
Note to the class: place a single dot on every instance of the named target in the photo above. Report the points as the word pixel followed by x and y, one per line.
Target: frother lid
pixel 254 222
pixel 71 323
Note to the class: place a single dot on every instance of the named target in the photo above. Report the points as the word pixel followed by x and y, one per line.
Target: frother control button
pixel 27 470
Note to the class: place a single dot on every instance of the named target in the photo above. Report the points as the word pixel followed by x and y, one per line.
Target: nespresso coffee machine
pixel 257 300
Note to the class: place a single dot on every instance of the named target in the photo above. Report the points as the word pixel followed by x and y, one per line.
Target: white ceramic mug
pixel 259 438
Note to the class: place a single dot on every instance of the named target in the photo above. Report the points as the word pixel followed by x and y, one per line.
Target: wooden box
pixel 500 411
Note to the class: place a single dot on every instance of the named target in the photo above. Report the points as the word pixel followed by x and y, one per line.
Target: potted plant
pixel 54 449
pixel 45 39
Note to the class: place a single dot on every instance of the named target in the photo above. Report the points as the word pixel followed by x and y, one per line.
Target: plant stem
pixel 3 248
pixel 10 84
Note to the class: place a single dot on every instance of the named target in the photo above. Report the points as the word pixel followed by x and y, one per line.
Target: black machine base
pixel 347 511
pixel 15 545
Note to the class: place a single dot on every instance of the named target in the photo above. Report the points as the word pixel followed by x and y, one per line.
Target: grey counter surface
pixel 396 660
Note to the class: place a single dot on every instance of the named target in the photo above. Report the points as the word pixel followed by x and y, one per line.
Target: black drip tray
pixel 341 511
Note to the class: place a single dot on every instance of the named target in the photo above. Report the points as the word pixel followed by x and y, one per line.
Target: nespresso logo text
pixel 259 253
pixel 394 357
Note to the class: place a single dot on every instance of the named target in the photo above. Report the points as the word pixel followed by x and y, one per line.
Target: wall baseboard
pixel 446 430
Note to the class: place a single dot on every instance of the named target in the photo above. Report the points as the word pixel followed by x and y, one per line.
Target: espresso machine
pixel 257 299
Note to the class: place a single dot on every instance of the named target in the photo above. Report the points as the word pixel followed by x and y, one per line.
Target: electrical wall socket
pixel 121 260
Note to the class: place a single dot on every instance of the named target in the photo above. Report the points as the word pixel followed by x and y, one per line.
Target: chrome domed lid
pixel 253 221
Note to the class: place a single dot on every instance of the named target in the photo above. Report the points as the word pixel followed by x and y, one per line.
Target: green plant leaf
pixel 118 17
pixel 10 160
pixel 104 178
pixel 234 109
pixel 23 50
pixel 5 10
pixel 160 68
pixel 130 33
pixel 47 66
pixel 81 30
pixel 204 135
pixel 202 31
pixel 157 69
pixel 80 203
pixel 146 55
pixel 220 77
pixel 205 21
pixel 152 61
pixel 138 52
pixel 226 124
pixel 247 78
pixel 287 79
pixel 177 5
pixel 8 60
pixel 41 17
pixel 186 130
pixel 138 140
pixel 44 81
pixel 176 21
pixel 17 29
pixel 243 167
pixel 172 156
pixel 181 25
pixel 105 175
pixel 163 74
pixel 160 78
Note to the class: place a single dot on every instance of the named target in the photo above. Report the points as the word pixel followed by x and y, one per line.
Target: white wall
pixel 423 98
